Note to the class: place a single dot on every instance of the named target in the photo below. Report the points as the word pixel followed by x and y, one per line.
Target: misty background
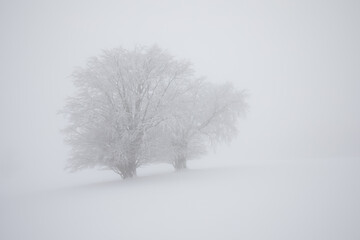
pixel 298 60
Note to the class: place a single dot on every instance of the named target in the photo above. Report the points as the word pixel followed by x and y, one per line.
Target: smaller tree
pixel 209 115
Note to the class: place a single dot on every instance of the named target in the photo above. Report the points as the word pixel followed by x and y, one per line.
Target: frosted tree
pixel 209 115
pixel 122 98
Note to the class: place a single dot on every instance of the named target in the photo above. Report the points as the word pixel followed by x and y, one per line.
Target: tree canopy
pixel 140 106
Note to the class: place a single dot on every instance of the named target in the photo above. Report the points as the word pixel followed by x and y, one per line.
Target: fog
pixel 298 60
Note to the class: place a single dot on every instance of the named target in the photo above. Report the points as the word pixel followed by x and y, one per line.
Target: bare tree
pixel 210 116
pixel 122 96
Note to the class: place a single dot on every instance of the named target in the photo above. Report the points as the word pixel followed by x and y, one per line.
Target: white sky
pixel 299 61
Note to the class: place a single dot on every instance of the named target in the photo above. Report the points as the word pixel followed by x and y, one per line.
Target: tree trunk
pixel 179 163
pixel 127 170
pixel 128 173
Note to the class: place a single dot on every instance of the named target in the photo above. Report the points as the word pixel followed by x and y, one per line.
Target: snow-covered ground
pixel 308 200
